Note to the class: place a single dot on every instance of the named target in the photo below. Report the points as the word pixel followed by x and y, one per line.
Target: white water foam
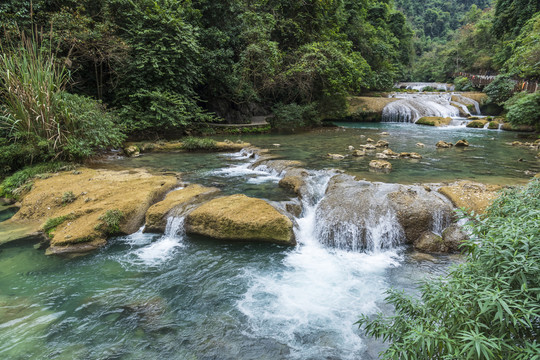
pixel 313 302
pixel 147 252
pixel 257 175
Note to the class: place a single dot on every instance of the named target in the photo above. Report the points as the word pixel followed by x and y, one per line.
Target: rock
pixel 419 256
pixel 381 156
pixel 462 143
pixel 414 155
pixel 175 203
pixel 335 156
pixel 478 124
pixel 493 125
pixel 239 217
pixel 453 236
pixel 390 153
pixel 360 214
pixel 294 209
pixel 293 183
pixel 517 143
pixel 381 143
pixel 380 165
pixel 405 155
pixel 132 151
pixel 276 145
pixel 359 153
pixel 351 148
pixel 368 147
pixel 430 242
pixel 433 121
pixel 120 197
pixel 510 127
pixel 470 195
pixel 384 133
pixel 420 145
pixel 370 140
pixel 443 144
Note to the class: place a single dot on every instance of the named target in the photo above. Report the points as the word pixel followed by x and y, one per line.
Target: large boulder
pixel 470 195
pixel 80 209
pixel 430 243
pixel 239 217
pixel 453 236
pixel 360 214
pixel 175 204
pixel 443 144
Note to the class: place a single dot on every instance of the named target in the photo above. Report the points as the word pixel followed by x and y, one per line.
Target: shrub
pixel 52 223
pixel 500 89
pixel 68 197
pixel 524 108
pixel 293 116
pixel 194 144
pixel 110 222
pixel 462 83
pixel 486 308
pixel 39 115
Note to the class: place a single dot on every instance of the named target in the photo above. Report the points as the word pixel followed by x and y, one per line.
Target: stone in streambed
pixel 382 165
pixel 239 217
pixel 470 195
pixel 175 203
pixel 462 143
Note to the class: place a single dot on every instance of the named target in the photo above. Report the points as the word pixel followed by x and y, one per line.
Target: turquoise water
pixel 490 158
pixel 175 296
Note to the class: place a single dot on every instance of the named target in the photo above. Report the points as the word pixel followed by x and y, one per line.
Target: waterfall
pixel 420 86
pixel 411 107
pixel 463 100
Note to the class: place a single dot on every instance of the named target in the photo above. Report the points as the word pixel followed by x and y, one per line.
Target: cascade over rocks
pixel 175 204
pixel 239 217
pixel 364 215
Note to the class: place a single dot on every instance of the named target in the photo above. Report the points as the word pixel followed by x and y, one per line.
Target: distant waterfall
pixel 411 107
pixel 420 86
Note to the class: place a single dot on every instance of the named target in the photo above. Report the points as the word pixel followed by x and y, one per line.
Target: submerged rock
pixel 381 143
pixel 359 153
pixel 421 145
pixel 335 156
pixel 390 153
pixel 239 217
pixel 478 124
pixel 175 203
pixel 470 195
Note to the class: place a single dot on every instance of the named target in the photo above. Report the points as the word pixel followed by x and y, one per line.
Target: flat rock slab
pixel 239 217
pixel 470 195
pixel 81 198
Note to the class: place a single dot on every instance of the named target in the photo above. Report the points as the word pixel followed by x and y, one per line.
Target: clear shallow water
pixel 175 296
pixel 489 158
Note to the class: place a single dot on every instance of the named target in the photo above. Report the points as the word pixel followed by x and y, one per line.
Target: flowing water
pixel 175 296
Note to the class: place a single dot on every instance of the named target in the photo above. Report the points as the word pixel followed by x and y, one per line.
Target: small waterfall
pixel 411 107
pixel 463 100
pixel 420 86
pixel 440 221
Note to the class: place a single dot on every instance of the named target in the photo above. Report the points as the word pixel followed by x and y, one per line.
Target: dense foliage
pixel 524 108
pixel 486 308
pixel 38 117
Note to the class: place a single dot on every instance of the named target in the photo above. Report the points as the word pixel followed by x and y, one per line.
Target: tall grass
pixel 31 84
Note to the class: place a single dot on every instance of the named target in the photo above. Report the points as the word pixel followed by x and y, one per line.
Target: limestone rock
pixel 453 236
pixel 470 195
pixel 381 156
pixel 132 151
pixel 462 143
pixel 380 165
pixel 174 204
pixel 478 124
pixel 415 155
pixel 370 140
pixel 430 242
pixel 384 133
pixel 434 121
pixel 443 144
pixel 419 144
pixel 381 143
pixel 335 156
pixel 239 217
pixel 81 223
pixel 390 153
pixel 359 153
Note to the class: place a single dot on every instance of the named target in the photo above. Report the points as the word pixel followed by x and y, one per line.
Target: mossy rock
pixel 510 127
pixel 493 125
pixel 477 124
pixel 239 217
pixel 434 121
